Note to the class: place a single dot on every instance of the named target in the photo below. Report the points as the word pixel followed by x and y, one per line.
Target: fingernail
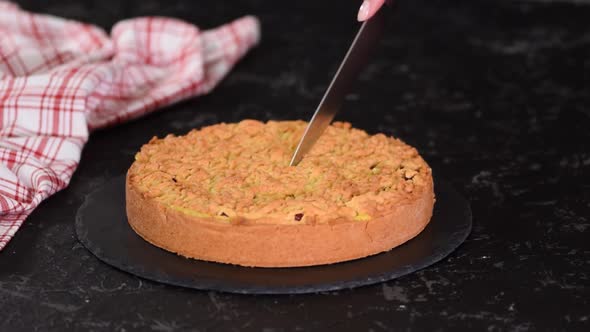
pixel 363 11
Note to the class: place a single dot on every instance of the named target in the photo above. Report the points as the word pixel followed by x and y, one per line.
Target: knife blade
pixel 356 57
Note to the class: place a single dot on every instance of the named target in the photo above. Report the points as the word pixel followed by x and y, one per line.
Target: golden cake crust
pixel 225 193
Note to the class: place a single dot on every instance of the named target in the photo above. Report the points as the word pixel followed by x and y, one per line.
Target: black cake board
pixel 101 225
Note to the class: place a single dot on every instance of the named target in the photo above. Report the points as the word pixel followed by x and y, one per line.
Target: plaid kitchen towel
pixel 60 79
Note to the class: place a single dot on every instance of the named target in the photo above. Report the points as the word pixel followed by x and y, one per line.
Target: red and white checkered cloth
pixel 60 79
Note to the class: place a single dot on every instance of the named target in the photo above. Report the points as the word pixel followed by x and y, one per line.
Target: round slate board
pixel 101 225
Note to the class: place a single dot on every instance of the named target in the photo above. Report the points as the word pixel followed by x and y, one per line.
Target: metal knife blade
pixel 354 60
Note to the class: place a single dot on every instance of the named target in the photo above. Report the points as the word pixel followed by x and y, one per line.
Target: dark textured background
pixel 493 93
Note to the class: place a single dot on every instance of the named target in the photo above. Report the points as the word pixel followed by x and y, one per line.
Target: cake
pixel 226 193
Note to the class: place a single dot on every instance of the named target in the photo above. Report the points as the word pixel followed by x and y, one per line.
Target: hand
pixel 368 9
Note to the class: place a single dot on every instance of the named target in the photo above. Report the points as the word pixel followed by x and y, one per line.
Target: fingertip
pixel 364 10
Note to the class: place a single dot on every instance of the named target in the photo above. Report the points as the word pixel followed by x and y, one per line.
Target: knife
pixel 357 56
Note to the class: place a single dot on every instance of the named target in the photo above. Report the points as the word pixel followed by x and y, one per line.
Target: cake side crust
pixel 276 245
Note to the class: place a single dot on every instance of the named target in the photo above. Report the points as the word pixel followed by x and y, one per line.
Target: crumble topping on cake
pixel 240 173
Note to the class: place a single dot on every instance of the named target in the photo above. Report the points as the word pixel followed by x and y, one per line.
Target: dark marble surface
pixel 493 93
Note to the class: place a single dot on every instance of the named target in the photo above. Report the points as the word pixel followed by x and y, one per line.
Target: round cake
pixel 226 193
